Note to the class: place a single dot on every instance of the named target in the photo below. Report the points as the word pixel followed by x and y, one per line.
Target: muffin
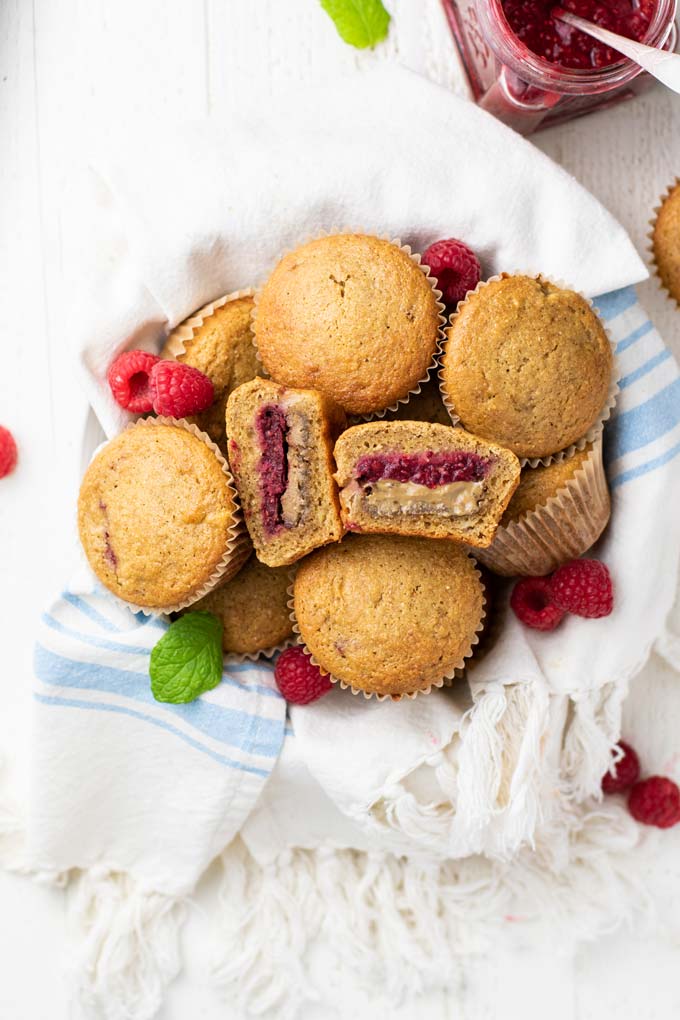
pixel 556 514
pixel 666 241
pixel 217 340
pixel 388 615
pixel 157 516
pixel 414 478
pixel 253 608
pixel 424 406
pixel 527 365
pixel 351 315
pixel 280 450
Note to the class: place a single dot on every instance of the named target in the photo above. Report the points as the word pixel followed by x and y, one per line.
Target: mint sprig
pixel 361 23
pixel 188 658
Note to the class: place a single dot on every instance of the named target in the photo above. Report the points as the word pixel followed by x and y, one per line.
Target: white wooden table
pixel 70 72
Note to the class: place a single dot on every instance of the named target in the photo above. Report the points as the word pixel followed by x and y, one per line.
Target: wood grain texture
pixel 74 75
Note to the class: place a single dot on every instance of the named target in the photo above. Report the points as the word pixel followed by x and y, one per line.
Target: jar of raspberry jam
pixel 532 71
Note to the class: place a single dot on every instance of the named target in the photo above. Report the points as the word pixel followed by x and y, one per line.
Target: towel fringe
pixel 590 738
pixel 126 945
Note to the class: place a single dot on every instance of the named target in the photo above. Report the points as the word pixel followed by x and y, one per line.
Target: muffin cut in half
pixel 416 478
pixel 280 451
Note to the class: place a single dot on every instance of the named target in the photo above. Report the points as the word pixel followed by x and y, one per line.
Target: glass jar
pixel 527 92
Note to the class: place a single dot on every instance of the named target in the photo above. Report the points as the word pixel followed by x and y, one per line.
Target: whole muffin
pixel 527 364
pixel 389 615
pixel 156 516
pixel 217 340
pixel 350 315
pixel 253 608
pixel 666 241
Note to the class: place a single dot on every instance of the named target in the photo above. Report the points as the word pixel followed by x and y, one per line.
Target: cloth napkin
pixel 206 211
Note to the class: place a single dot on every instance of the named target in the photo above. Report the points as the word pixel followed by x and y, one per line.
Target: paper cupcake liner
pixel 456 672
pixel 175 344
pixel 562 529
pixel 650 237
pixel 264 653
pixel 238 544
pixel 596 428
pixel 415 257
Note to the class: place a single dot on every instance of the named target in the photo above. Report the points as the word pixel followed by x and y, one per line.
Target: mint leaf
pixel 360 23
pixel 188 658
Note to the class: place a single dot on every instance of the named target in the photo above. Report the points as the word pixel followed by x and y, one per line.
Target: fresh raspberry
pixel 624 773
pixel 583 587
pixel 298 679
pixel 129 380
pixel 655 801
pixel 179 390
pixel 533 605
pixel 455 267
pixel 8 452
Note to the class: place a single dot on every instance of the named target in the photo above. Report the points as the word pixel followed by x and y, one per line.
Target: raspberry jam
pixel 428 468
pixel 552 39
pixel 272 430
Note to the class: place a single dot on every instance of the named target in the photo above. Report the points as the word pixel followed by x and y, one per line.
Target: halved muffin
pixel 281 454
pixel 417 478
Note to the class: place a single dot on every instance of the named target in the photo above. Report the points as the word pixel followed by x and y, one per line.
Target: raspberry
pixel 179 390
pixel 533 605
pixel 8 452
pixel 455 267
pixel 298 679
pixel 655 801
pixel 583 587
pixel 129 380
pixel 624 773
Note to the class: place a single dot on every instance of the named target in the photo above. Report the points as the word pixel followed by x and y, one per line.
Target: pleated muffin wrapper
pixel 238 544
pixel 650 237
pixel 432 368
pixel 456 672
pixel 565 527
pixel 175 344
pixel 596 428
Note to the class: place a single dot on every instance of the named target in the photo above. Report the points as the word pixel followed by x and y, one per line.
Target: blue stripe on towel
pixel 643 469
pixel 617 301
pixel 647 422
pixel 642 371
pixel 230 726
pixel 80 603
pixel 101 707
pixel 632 338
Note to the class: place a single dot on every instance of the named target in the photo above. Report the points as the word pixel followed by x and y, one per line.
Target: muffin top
pixel 351 315
pixel 222 347
pixel 154 513
pixel 666 242
pixel 386 614
pixel 527 364
pixel 253 607
pixel 537 485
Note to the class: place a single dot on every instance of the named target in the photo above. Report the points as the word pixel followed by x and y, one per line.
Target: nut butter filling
pixel 387 497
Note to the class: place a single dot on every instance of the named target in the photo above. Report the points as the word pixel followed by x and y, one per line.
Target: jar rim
pixel 537 71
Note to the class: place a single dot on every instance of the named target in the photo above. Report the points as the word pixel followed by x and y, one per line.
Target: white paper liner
pixel 454 673
pixel 565 527
pixel 353 419
pixel 596 428
pixel 175 344
pixel 650 237
pixel 238 544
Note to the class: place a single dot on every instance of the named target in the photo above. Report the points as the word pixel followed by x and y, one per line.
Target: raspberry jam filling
pixel 559 43
pixel 272 429
pixel 429 468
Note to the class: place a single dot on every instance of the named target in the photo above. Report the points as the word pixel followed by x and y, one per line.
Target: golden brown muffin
pixel 416 478
pixel 155 512
pixel 424 406
pixel 537 485
pixel 389 615
pixel 253 608
pixel 666 242
pixel 527 365
pixel 220 344
pixel 351 315
pixel 556 515
pixel 281 452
